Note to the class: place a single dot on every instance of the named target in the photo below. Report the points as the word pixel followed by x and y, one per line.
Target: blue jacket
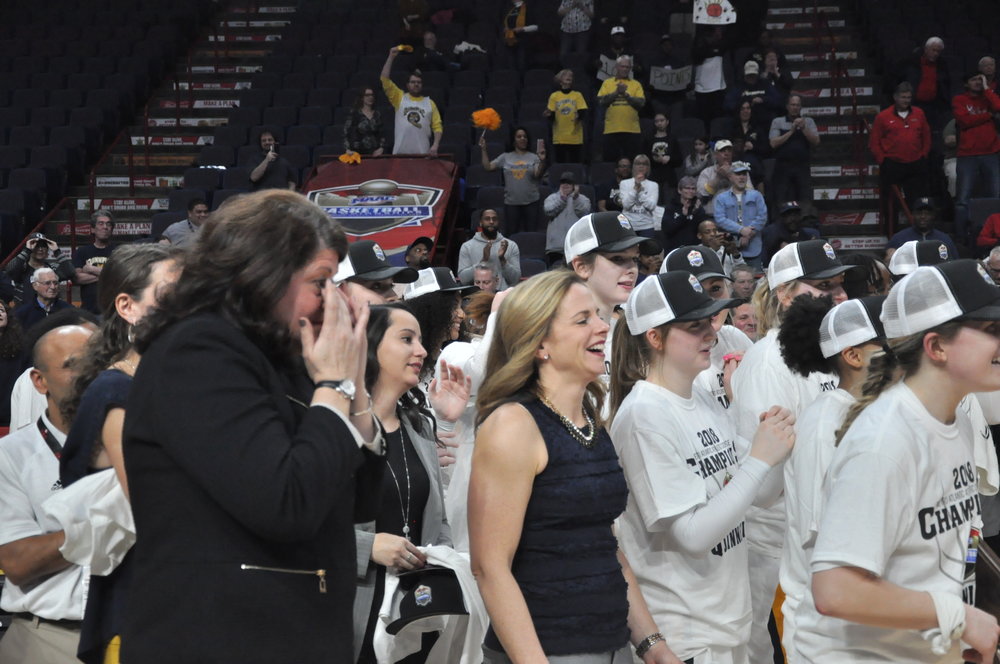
pixel 728 219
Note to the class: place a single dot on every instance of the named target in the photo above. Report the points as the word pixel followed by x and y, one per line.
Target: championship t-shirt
pixel 900 502
pixel 566 129
pixel 815 438
pixel 677 454
pixel 730 340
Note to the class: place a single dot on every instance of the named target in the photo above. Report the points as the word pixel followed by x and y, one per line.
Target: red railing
pixel 890 224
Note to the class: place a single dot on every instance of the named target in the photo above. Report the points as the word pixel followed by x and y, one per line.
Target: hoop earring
pixel 130 334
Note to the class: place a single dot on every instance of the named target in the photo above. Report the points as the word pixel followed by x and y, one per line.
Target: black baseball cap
pixel 697 259
pixel 810 259
pixel 924 203
pixel 599 231
pixel 366 260
pixel 789 206
pixel 428 591
pixel 669 297
pixel 424 240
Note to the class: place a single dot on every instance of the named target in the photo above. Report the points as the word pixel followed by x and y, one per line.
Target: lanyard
pixel 50 440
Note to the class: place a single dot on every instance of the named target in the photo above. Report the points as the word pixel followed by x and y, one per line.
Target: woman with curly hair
pixel 816 336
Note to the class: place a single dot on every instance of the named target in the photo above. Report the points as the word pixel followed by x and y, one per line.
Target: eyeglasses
pixel 48 283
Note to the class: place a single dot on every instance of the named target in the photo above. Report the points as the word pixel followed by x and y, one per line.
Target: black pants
pixel 911 177
pixel 521 218
pixel 790 183
pixel 620 145
pixel 566 153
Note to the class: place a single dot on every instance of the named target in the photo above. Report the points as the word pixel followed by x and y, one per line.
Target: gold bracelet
pixel 366 410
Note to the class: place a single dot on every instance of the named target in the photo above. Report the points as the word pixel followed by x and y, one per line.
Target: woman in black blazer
pixel 245 444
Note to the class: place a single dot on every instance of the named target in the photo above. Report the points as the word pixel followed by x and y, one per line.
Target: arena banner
pixel 392 200
pixel 714 12
pixel 859 243
pixel 848 218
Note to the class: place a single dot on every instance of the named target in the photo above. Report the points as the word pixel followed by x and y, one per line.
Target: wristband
pixel 647 643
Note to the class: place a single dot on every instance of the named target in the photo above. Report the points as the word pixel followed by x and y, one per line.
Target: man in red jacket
pixel 900 140
pixel 978 148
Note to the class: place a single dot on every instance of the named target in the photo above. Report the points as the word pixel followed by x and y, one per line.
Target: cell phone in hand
pixel 539 145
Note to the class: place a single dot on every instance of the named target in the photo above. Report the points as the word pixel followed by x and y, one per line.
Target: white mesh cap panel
pixel 345 271
pixel 580 239
pixel 647 307
pixel 785 266
pixel 904 259
pixel 846 325
pixel 426 283
pixel 920 301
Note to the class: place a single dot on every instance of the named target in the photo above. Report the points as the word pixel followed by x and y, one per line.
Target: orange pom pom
pixel 486 118
pixel 350 158
pixel 405 48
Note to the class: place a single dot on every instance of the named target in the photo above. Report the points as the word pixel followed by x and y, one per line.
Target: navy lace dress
pixel 566 562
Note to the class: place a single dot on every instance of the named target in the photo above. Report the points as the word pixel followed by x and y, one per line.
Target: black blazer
pixel 225 469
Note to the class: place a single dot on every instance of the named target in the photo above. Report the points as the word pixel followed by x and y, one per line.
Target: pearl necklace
pixel 585 439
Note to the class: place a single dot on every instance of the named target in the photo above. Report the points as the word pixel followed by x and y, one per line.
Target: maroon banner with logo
pixel 392 200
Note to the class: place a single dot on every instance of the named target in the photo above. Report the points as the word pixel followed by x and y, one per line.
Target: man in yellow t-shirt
pixel 567 109
pixel 417 117
pixel 622 97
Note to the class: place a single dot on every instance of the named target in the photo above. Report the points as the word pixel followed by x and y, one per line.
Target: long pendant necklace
pixel 406 467
pixel 585 439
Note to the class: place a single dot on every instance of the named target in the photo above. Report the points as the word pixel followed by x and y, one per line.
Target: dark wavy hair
pixel 11 336
pixel 127 271
pixel 412 406
pixel 511 144
pixel 434 312
pixel 798 336
pixel 241 264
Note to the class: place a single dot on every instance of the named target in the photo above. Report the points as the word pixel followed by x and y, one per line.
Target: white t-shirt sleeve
pixel 861 524
pixel 659 478
pixel 17 516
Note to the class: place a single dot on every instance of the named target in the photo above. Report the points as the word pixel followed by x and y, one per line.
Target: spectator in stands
pixel 742 212
pixel 761 93
pixel 609 197
pixel 89 259
pixel 618 47
pixel 900 139
pixel 988 68
pixel 992 265
pixel 773 73
pixel 749 132
pixel 272 171
pixel 44 592
pixel 418 254
pixel 567 108
pixel 718 177
pixel 663 101
pixel 563 208
pixel 699 158
pixel 870 276
pixel 363 130
pixel 485 278
pixel 576 17
pixel 949 137
pixel 683 215
pixel 45 285
pixel 744 281
pixel 622 97
pixel 183 233
pixel 924 214
pixel 709 76
pixel 522 169
pixel 12 359
pixel 786 229
pixel 927 74
pixel 489 246
pixel 723 244
pixel 651 257
pixel 413 16
pixel 38 252
pixel 665 154
pixel 640 196
pixel 418 125
pixel 429 58
pixel 744 318
pixel 989 237
pixel 792 139
pixel 978 149
pixel 366 274
pixel 765 44
pixel 517 30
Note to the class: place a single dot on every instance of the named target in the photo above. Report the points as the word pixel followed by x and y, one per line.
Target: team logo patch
pixel 374 206
pixel 695 259
pixel 828 250
pixel 623 222
pixel 379 254
pixel 422 595
pixel 695 284
pixel 943 252
pixel 983 274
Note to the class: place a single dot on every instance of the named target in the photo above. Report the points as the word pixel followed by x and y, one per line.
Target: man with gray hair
pixel 621 97
pixel 900 139
pixel 992 264
pixel 485 278
pixel 46 301
pixel 988 67
pixel 927 73
pixel 90 259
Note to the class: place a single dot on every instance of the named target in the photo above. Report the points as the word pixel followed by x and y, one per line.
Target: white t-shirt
pixel 29 473
pixel 730 340
pixel 763 380
pixel 677 454
pixel 815 438
pixel 709 75
pixel 26 404
pixel 901 498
